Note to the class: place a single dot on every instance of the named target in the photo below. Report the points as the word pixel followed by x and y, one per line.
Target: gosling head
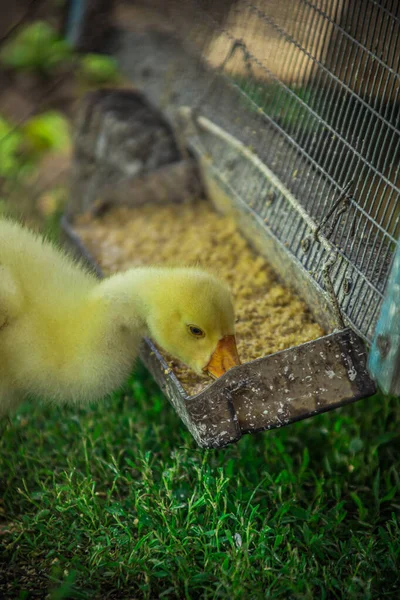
pixel 193 320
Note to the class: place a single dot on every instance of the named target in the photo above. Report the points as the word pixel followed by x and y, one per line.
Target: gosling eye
pixel 196 331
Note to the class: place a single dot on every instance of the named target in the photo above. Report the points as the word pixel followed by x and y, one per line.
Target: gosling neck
pixel 131 296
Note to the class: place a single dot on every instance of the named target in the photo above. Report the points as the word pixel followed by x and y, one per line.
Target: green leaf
pixel 98 68
pixel 37 47
pixel 115 509
pixel 42 514
pixel 362 511
pixel 48 131
pixel 300 513
pixel 305 462
pixel 160 574
pixel 390 495
pixel 376 486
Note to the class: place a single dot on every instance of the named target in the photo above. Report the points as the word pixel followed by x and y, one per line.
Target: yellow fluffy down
pixel 66 336
pixel 42 316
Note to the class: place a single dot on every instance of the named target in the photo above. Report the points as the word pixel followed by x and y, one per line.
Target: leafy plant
pixel 48 131
pixel 21 148
pixel 11 150
pixel 38 48
pixel 98 69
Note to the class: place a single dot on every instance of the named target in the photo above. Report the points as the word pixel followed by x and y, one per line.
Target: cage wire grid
pixel 316 89
pixel 314 92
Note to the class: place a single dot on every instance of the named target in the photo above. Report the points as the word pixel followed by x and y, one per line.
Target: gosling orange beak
pixel 225 357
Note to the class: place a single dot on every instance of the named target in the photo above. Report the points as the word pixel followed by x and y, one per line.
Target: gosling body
pixel 65 336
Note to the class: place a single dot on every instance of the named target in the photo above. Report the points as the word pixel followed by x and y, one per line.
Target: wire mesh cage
pixel 291 111
pixel 312 89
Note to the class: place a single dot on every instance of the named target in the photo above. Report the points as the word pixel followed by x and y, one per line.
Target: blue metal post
pixel 384 357
pixel 76 12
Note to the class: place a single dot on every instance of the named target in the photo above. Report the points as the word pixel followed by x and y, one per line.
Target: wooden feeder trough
pixel 116 161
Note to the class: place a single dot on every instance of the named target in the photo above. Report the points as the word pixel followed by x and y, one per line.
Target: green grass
pixel 116 501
